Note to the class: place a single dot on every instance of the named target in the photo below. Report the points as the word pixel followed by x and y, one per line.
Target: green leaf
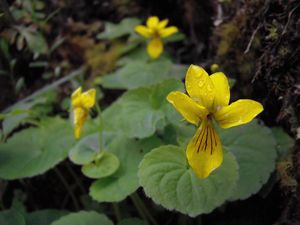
pixel 179 70
pixel 125 181
pixel 113 31
pixel 12 217
pixel 85 150
pixel 35 150
pixel 284 142
pixel 103 166
pixel 138 54
pixel 83 218
pixel 137 74
pixel 175 37
pixel 140 112
pixel 35 40
pixel 13 120
pixel 132 221
pixel 18 114
pixel 168 180
pixel 255 150
pixel 44 217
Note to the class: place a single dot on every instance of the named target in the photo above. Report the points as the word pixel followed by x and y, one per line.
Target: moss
pixel 101 59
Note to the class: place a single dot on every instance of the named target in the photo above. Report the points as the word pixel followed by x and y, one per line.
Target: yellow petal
pixel 189 109
pixel 88 98
pixel 75 98
pixel 144 31
pixel 199 86
pixel 237 113
pixel 204 152
pixel 221 85
pixel 155 48
pixel 162 24
pixel 152 22
pixel 166 32
pixel 79 116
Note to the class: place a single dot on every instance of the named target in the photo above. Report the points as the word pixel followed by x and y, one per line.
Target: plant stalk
pixel 141 207
pixel 68 188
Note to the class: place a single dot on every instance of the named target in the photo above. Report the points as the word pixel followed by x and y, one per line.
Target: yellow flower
pixel 81 104
pixel 155 31
pixel 208 100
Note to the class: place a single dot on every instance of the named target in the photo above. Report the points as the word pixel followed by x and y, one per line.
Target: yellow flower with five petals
pixel 207 99
pixel 81 104
pixel 155 30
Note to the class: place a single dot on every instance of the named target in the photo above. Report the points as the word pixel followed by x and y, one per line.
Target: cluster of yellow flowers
pixel 206 101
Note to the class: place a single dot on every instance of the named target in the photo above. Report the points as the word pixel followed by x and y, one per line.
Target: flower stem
pixel 101 144
pixel 77 180
pixel 143 211
pixel 137 206
pixel 68 188
pixel 117 211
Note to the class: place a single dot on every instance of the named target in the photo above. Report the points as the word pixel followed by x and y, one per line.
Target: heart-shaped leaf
pixel 12 217
pixel 83 218
pixel 85 150
pixel 113 31
pixel 125 181
pixel 137 74
pixel 35 150
pixel 140 112
pixel 104 165
pixel 255 150
pixel 168 180
pixel 44 217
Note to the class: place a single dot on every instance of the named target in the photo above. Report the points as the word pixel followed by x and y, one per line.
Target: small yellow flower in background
pixel 155 31
pixel 208 99
pixel 81 104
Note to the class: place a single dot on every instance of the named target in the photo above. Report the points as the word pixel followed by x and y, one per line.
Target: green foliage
pixel 85 150
pixel 125 181
pixel 168 180
pixel 41 217
pixel 254 147
pixel 44 217
pixel 113 31
pixel 12 217
pixel 83 218
pixel 104 165
pixel 132 221
pixel 141 139
pixel 284 142
pixel 137 74
pixel 140 112
pixel 34 39
pixel 27 111
pixel 35 150
pixel 175 37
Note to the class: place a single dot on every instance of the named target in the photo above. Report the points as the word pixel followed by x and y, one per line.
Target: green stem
pixel 101 145
pixel 77 180
pixel 117 211
pixel 68 188
pixel 141 206
pixel 137 206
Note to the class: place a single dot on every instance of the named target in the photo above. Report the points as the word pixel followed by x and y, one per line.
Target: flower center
pixel 209 117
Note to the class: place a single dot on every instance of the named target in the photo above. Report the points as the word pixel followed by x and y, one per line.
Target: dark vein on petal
pixel 206 137
pixel 200 143
pixel 211 141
